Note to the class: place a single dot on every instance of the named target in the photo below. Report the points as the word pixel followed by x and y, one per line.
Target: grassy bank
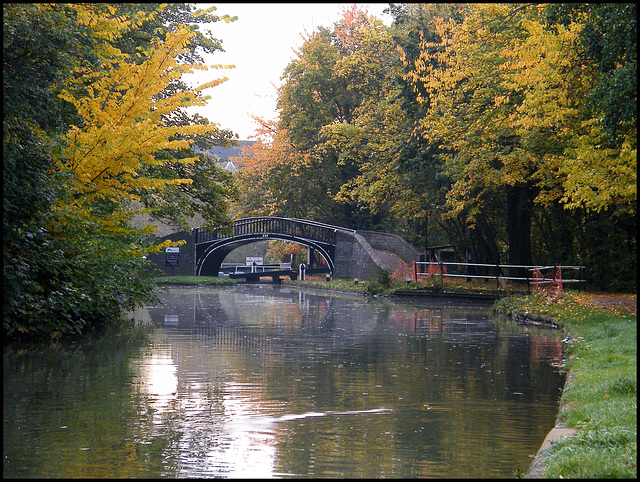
pixel 334 285
pixel 195 280
pixel 385 286
pixel 600 399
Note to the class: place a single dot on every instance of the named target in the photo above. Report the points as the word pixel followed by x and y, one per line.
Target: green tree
pixel 71 258
pixel 41 47
pixel 509 98
pixel 336 72
pixel 608 41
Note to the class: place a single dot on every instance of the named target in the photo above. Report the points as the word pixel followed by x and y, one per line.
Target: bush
pixel 384 278
pixel 62 284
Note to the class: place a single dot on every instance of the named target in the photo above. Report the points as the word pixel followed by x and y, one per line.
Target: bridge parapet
pixel 355 258
pixel 392 243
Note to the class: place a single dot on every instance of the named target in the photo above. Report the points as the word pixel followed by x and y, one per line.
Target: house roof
pixel 226 153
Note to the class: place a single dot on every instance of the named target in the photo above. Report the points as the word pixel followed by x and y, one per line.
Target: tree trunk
pixel 426 235
pixel 485 241
pixel 519 224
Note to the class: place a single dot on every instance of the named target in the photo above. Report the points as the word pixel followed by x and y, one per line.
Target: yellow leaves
pixel 123 124
pixel 206 11
pixel 540 67
pixel 125 109
pixel 106 26
pixel 484 63
pixel 506 96
pixel 145 250
pixel 597 176
pixel 500 99
pixel 216 66
pixel 209 85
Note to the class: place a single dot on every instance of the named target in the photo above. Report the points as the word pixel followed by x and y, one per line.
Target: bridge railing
pixel 299 228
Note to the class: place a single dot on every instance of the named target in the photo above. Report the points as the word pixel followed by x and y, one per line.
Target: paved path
pixel 612 302
pixel 537 468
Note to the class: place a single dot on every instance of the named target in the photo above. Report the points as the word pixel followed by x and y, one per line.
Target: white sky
pixel 260 44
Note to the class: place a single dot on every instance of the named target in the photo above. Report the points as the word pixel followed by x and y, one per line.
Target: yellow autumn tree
pixel 505 95
pixel 84 132
pixel 123 118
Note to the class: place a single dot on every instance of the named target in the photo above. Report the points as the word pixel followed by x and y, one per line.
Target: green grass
pixel 384 286
pixel 600 397
pixel 195 280
pixel 361 287
pixel 334 285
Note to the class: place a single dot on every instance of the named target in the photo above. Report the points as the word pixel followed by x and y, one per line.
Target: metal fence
pixel 531 275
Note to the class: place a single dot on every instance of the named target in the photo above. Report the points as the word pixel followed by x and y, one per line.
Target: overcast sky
pixel 261 44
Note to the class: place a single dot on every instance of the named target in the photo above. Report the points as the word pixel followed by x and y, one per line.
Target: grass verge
pixel 334 285
pixel 195 280
pixel 600 397
pixel 385 286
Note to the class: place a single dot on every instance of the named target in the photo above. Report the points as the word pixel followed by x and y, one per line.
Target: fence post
pixel 497 276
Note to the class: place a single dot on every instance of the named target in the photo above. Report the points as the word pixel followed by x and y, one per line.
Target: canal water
pixel 270 381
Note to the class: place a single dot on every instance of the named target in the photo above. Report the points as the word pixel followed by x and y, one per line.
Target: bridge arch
pixel 212 246
pixel 211 261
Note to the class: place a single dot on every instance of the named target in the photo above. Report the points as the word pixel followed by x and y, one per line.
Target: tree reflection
pixel 259 382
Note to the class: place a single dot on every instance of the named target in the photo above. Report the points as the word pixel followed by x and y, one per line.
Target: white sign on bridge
pixel 249 260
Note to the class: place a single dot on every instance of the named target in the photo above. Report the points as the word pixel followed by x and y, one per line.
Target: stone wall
pixel 186 259
pixel 355 258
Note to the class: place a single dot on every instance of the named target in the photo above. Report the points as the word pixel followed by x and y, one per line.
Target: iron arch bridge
pixel 211 247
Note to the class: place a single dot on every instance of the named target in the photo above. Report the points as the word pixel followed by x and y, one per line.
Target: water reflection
pixel 158 379
pixel 258 381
